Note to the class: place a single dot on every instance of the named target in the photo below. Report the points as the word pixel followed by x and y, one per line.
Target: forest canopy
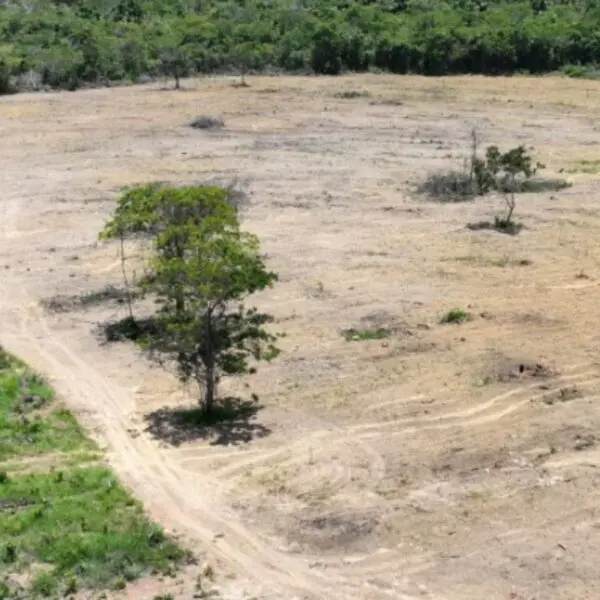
pixel 70 43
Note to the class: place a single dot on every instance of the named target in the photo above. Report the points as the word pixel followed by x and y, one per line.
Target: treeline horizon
pixel 67 44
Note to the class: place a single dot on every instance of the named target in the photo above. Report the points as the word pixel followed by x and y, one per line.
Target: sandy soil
pixel 411 467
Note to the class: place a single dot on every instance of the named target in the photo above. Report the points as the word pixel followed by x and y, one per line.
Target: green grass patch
pixel 83 525
pixel 455 315
pixel 73 526
pixel 29 425
pixel 354 335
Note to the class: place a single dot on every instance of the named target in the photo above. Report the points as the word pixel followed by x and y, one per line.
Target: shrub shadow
pixel 128 329
pixel 500 225
pixel 230 422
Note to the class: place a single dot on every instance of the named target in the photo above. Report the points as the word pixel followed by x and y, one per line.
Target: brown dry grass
pixel 418 466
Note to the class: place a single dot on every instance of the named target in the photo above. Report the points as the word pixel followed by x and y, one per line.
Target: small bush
pixel 6 360
pixel 45 584
pixel 9 553
pixel 6 85
pixel 353 335
pixel 5 591
pixel 207 122
pixel 455 315
pixel 454 186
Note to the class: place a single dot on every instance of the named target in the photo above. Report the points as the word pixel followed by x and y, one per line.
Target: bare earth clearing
pixel 400 468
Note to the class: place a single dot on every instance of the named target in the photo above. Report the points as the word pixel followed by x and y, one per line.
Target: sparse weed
pixel 352 94
pixel 590 167
pixel 9 553
pixel 5 591
pixel 208 571
pixel 506 261
pixel 353 335
pixel 499 224
pixel 120 584
pixel 485 380
pixel 207 122
pixel 387 102
pixel 71 586
pixel 45 585
pixel 455 315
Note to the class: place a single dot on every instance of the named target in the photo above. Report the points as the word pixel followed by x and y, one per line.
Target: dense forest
pixel 70 43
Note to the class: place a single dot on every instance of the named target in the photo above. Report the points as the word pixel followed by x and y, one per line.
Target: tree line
pixel 69 43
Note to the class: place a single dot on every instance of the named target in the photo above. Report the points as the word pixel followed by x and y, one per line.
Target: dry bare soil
pixel 423 465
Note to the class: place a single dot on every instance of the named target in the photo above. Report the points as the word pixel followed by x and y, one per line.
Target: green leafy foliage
pixel 94 41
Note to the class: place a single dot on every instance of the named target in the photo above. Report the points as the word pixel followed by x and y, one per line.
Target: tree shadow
pixel 230 422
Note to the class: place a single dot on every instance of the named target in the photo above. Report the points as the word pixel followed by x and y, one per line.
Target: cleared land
pixel 419 465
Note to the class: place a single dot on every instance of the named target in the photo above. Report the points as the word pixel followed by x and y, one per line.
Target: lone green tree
pixel 216 334
pixel 202 269
pixel 508 173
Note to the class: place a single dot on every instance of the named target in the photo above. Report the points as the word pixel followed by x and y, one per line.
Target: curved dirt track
pixel 402 468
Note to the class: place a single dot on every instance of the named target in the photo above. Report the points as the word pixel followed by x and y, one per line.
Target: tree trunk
pixel 179 307
pixel 511 208
pixel 177 84
pixel 210 381
pixel 210 391
pixel 125 278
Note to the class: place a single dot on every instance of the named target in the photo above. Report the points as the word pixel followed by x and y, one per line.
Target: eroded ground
pixel 423 465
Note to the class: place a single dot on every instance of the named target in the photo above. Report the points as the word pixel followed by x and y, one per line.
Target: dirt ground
pixel 419 466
